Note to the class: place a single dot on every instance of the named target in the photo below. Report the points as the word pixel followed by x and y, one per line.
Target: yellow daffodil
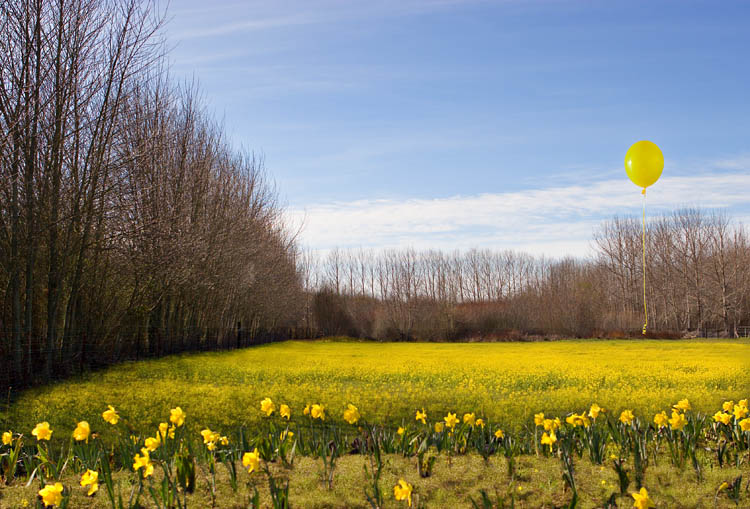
pixel 306 411
pixel 641 500
pixel 723 486
pixel 400 431
pixel 742 403
pixel 627 417
pixel 578 420
pixel 153 443
pixel 727 406
pixel 422 416
pixel 177 416
pixel 551 424
pixel 351 414
pixel 402 491
pixel 267 406
pixel 8 437
pixel 661 419
pixel 165 430
pixel 595 410
pixel 745 424
pixel 223 440
pixel 286 434
pixel 210 438
pixel 51 494
pixel 470 419
pixel 251 461
pixel 318 412
pixel 480 423
pixel 143 461
pixel 723 418
pixel 42 431
pixel 683 405
pixel 110 415
pixel 90 478
pixel 285 411
pixel 678 421
pixel 499 434
pixel 82 432
pixel 450 420
pixel 539 419
pixel 740 412
pixel 439 426
pixel 549 439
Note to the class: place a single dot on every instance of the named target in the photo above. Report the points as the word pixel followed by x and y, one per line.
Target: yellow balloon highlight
pixel 644 163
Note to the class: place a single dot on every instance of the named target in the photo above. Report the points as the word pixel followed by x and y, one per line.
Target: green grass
pixel 505 382
pixel 537 484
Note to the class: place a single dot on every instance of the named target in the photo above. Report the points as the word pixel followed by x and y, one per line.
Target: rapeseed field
pixel 504 382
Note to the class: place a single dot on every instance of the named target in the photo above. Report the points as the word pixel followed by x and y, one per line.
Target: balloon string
pixel 643 243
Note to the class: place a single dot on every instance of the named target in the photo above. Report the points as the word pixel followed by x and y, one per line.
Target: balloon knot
pixel 644 191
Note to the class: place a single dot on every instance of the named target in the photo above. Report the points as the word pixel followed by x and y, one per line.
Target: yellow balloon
pixel 644 163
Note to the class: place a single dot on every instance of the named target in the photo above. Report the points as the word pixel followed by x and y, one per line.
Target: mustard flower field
pixel 505 382
pixel 347 424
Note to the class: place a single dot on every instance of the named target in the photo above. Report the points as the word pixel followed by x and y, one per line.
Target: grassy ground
pixel 505 382
pixel 537 484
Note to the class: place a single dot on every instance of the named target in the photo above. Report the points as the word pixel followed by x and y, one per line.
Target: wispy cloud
pixel 555 221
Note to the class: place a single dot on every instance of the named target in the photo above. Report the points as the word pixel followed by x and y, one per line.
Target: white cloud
pixel 555 221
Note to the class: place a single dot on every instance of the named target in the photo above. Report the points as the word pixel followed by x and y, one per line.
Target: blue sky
pixel 459 124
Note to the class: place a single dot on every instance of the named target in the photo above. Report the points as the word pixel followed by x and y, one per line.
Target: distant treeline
pixel 698 282
pixel 128 226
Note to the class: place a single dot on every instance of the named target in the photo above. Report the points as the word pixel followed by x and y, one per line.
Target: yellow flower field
pixel 506 383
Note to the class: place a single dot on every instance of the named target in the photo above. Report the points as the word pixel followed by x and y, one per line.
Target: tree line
pixel 129 226
pixel 697 281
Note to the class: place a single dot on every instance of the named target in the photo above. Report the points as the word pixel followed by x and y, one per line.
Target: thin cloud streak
pixel 555 221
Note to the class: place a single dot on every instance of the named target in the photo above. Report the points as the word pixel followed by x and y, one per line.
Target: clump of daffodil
pixel 267 406
pixel 318 411
pixel 51 494
pixel 285 412
pixel 143 461
pixel 166 431
pixel 470 419
pixel 642 500
pixel 42 431
pixel 90 478
pixel 549 439
pixel 723 417
pixel 7 437
pixel 661 419
pixel 110 415
pixel 177 416
pixel 210 438
pixel 450 420
pixel 351 414
pixel 251 461
pixel 627 417
pixel 402 491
